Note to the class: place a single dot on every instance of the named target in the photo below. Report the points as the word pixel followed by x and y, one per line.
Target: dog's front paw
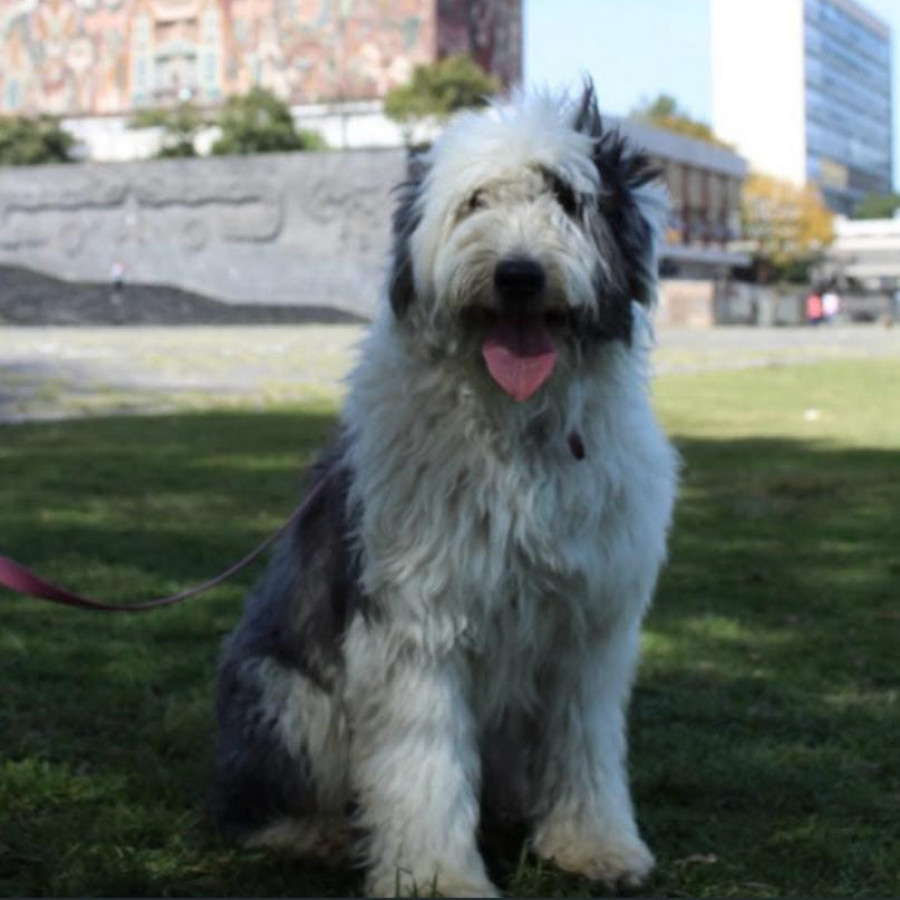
pixel 615 862
pixel 402 883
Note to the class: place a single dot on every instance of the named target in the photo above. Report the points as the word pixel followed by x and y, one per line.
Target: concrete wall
pixel 308 228
pixel 296 229
pixel 757 304
pixel 686 303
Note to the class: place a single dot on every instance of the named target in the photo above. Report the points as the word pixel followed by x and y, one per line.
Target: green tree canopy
pixel 259 122
pixel 877 206
pixel 180 125
pixel 439 89
pixel 664 112
pixel 26 141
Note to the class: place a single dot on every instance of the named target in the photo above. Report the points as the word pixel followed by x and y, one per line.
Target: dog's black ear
pixel 587 113
pixel 407 215
pixel 635 209
pixel 639 238
pixel 627 200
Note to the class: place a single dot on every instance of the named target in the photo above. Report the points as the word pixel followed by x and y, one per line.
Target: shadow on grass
pixel 768 702
pixel 765 722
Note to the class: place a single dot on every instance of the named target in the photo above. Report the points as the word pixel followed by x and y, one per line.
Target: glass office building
pixel 803 89
pixel 848 102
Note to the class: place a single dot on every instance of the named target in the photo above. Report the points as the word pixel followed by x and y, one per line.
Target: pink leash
pixel 17 578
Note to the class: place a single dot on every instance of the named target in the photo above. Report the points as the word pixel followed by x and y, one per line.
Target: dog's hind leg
pixel 281 772
pixel 327 840
pixel 281 776
pixel 585 821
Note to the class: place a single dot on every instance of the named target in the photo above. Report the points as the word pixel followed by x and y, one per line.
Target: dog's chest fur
pixel 482 532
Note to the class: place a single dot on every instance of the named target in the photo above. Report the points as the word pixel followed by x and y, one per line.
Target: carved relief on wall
pixel 349 210
pixel 96 210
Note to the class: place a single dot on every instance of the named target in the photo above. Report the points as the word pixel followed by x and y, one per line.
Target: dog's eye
pixel 564 195
pixel 476 201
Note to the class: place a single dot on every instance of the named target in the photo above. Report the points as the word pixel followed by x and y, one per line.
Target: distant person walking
pixel 117 281
pixel 831 305
pixel 814 308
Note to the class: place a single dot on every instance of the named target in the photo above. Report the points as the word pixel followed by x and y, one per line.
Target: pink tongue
pixel 520 355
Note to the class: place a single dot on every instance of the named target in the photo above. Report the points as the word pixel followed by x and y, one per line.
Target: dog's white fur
pixel 509 577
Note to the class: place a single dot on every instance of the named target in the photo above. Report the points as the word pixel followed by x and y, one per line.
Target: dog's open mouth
pixel 519 352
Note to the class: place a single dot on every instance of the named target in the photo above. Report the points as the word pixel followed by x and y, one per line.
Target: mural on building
pixel 490 31
pixel 93 57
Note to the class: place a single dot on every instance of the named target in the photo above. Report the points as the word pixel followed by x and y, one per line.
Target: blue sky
pixel 636 49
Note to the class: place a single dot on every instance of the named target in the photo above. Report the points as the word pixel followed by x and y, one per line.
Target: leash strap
pixel 23 581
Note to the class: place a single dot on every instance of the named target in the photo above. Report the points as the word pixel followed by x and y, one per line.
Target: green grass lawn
pixel 766 719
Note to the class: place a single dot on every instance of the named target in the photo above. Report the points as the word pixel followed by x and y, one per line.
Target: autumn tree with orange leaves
pixel 788 226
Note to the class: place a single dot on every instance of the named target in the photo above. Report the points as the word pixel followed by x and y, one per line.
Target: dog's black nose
pixel 519 279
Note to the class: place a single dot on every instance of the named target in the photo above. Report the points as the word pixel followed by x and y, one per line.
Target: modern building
pixel 704 184
pixel 94 63
pixel 698 258
pixel 803 90
pixel 865 254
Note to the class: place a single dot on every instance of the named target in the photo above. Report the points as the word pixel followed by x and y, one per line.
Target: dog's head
pixel 522 237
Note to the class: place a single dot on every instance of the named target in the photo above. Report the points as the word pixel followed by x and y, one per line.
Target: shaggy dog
pixel 451 630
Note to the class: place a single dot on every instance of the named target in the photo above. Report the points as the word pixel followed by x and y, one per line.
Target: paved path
pixel 66 372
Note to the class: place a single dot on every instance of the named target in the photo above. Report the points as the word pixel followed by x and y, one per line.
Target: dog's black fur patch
pixel 407 215
pixel 256 781
pixel 295 618
pixel 622 170
pixel 302 606
pixel 325 594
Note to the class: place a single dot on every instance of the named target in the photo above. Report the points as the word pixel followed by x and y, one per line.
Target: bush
pixel 180 125
pixel 440 89
pixel 259 122
pixel 877 206
pixel 26 141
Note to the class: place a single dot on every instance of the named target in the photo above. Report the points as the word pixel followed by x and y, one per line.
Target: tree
pixel 787 225
pixel 439 89
pixel 664 112
pixel 180 125
pixel 877 206
pixel 259 122
pixel 26 141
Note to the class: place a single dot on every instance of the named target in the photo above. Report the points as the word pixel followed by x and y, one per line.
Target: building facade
pixel 803 89
pixel 82 58
pixel 704 183
pixel 865 254
pixel 698 256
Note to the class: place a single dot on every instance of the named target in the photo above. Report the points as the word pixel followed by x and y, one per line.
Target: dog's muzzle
pixel 519 283
pixel 518 348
